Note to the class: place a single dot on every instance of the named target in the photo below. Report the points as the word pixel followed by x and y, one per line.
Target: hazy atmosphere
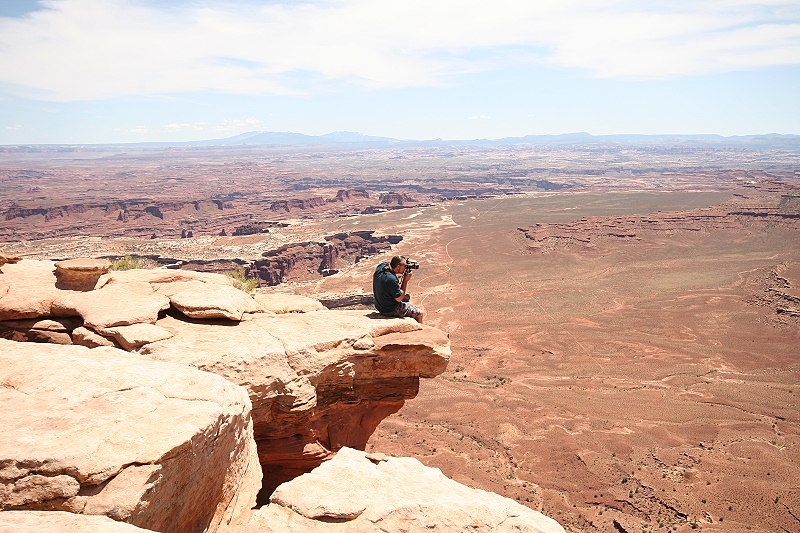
pixel 90 71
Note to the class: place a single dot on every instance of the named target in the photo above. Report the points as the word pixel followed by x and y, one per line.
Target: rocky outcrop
pixel 347 194
pixel 778 288
pixel 394 198
pixel 29 290
pixel 297 203
pixel 303 261
pixel 122 210
pixel 318 381
pixel 146 439
pixel 104 432
pixel 391 494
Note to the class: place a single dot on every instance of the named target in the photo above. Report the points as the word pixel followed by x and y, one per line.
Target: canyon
pixel 623 320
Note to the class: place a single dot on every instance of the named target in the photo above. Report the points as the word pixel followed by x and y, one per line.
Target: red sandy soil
pixel 640 381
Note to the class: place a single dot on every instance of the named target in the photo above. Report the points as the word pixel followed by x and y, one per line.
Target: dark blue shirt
pixel 386 288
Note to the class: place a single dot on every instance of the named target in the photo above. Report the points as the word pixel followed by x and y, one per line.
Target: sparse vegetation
pixel 130 262
pixel 241 281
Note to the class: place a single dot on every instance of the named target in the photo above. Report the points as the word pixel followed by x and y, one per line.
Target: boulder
pixel 356 491
pixel 80 274
pixel 27 289
pixel 105 432
pixel 287 303
pixel 318 381
pixel 59 521
pixel 119 304
pixel 198 299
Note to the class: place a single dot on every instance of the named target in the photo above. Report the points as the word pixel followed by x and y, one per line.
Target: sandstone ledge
pixel 318 381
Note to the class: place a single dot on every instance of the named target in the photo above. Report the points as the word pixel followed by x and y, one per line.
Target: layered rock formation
pixel 309 260
pixel 318 380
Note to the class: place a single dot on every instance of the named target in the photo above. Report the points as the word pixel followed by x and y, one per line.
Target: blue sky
pixel 97 71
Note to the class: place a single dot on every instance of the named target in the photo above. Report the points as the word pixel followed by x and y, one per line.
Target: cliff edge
pixel 185 390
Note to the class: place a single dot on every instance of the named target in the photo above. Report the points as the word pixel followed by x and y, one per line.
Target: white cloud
pixel 88 49
pixel 232 127
pixel 137 130
pixel 480 117
pixel 172 128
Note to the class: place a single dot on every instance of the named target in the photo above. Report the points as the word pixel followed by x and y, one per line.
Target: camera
pixel 411 265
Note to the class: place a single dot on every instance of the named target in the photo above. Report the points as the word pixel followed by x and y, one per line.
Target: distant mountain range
pixel 342 138
pixel 347 139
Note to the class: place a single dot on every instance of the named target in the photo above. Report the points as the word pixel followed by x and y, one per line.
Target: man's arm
pixel 403 285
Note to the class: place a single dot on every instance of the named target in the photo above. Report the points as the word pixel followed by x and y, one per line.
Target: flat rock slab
pixel 84 264
pixel 60 521
pixel 356 491
pixel 105 432
pixel 199 299
pixel 113 305
pixel 161 275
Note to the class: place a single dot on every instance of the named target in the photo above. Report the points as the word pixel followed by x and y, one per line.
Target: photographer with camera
pixel 391 297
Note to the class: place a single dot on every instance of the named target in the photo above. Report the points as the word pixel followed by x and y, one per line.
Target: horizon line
pixel 377 138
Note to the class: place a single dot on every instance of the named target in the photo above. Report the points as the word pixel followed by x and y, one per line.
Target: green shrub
pixel 241 281
pixel 129 263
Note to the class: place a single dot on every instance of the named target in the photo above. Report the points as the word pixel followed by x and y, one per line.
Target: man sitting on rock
pixel 390 294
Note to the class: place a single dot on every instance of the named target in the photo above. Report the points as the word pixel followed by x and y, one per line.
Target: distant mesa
pixel 309 260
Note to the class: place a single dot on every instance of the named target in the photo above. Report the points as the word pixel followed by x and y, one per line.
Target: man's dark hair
pixel 396 260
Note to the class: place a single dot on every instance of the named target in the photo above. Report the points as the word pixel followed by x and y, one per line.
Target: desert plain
pixel 625 323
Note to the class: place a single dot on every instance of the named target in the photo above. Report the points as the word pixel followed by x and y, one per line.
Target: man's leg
pixel 413 311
